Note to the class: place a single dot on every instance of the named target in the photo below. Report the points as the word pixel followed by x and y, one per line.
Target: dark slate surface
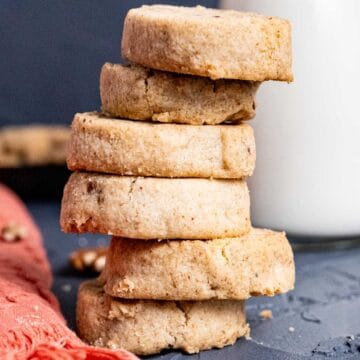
pixel 52 51
pixel 324 309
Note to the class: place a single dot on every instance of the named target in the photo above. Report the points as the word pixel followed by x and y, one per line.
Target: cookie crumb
pixel 266 314
pixel 13 232
pixel 127 285
pixel 247 335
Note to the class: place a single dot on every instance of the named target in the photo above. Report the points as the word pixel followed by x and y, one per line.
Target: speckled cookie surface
pixel 137 93
pixel 33 145
pixel 209 42
pixel 155 208
pixel 137 148
pixel 147 327
pixel 258 263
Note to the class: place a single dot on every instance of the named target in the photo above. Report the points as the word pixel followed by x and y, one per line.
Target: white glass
pixel 307 179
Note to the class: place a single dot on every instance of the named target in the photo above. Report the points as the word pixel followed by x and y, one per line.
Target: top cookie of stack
pixel 220 44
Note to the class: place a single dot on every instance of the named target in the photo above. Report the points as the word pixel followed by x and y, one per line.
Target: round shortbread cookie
pixel 258 263
pixel 161 150
pixel 146 327
pixel 155 208
pixel 137 93
pixel 33 145
pixel 209 42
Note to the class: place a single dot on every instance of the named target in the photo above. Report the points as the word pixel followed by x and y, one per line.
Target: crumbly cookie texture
pixel 155 208
pixel 258 263
pixel 209 42
pixel 137 93
pixel 33 145
pixel 160 150
pixel 147 327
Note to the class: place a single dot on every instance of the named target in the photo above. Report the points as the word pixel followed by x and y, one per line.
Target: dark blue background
pixel 51 52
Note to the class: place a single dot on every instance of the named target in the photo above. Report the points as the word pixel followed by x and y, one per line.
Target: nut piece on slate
pixel 266 314
pixel 89 259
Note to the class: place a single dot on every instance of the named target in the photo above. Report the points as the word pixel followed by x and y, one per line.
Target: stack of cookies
pixel 169 182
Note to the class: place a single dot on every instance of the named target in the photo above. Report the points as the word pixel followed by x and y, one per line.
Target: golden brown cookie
pixel 160 150
pixel 155 208
pixel 134 92
pixel 258 263
pixel 147 327
pixel 209 42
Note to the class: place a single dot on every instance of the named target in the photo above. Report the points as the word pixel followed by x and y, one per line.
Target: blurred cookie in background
pixel 33 159
pixel 33 145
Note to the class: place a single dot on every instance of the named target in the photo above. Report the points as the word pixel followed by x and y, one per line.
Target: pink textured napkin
pixel 31 325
